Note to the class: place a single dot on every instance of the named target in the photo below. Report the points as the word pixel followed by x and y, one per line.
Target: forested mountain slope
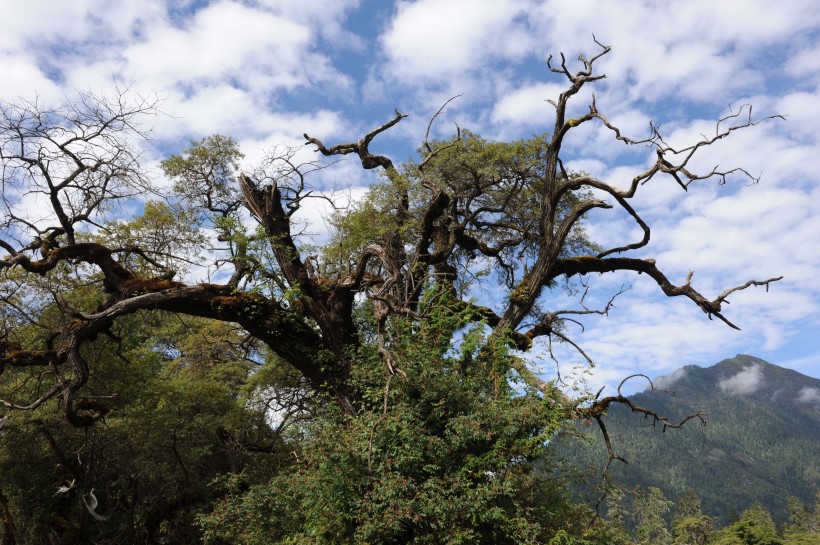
pixel 761 441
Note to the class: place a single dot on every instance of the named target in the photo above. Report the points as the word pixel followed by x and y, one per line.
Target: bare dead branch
pixel 599 408
pixel 360 148
pixel 431 153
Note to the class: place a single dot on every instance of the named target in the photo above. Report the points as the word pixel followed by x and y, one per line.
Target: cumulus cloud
pixel 273 50
pixel 327 17
pixel 655 44
pixel 528 105
pixel 41 19
pixel 429 39
pixel 21 75
pixel 746 381
pixel 223 67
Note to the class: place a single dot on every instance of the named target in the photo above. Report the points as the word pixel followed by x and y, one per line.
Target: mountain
pixel 761 441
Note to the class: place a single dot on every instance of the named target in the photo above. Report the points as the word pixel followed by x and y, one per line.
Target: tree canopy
pixel 391 404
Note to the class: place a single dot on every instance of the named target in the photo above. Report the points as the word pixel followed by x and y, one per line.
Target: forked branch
pixel 600 407
pixel 360 148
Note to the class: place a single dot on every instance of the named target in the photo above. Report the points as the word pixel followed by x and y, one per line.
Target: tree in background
pixel 649 509
pixel 689 525
pixel 149 465
pixel 799 517
pixel 384 387
pixel 755 527
pixel 801 528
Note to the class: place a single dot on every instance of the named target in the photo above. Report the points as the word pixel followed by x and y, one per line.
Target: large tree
pixel 519 210
pixel 345 319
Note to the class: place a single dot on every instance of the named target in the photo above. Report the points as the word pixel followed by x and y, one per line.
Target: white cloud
pixel 210 109
pixel 805 60
pixel 232 111
pixel 199 51
pixel 22 79
pixel 667 381
pixel 315 214
pixel 223 68
pixel 746 381
pixel 802 111
pixel 809 395
pixel 528 105
pixel 326 17
pixel 429 39
pixel 56 39
pixel 41 20
pixel 699 52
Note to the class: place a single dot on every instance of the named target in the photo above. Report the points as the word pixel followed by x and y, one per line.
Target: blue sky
pixel 267 71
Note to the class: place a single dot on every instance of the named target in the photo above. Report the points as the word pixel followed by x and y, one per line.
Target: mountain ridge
pixel 761 441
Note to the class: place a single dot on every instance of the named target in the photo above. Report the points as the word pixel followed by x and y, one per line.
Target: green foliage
pixel 496 166
pixel 451 455
pixel 803 538
pixel 693 530
pixel 443 455
pixel 649 509
pixel 755 527
pixel 689 525
pixel 168 239
pixel 150 462
pixel 799 517
pixel 504 176
pixel 687 505
pixel 204 175
pixel 347 393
